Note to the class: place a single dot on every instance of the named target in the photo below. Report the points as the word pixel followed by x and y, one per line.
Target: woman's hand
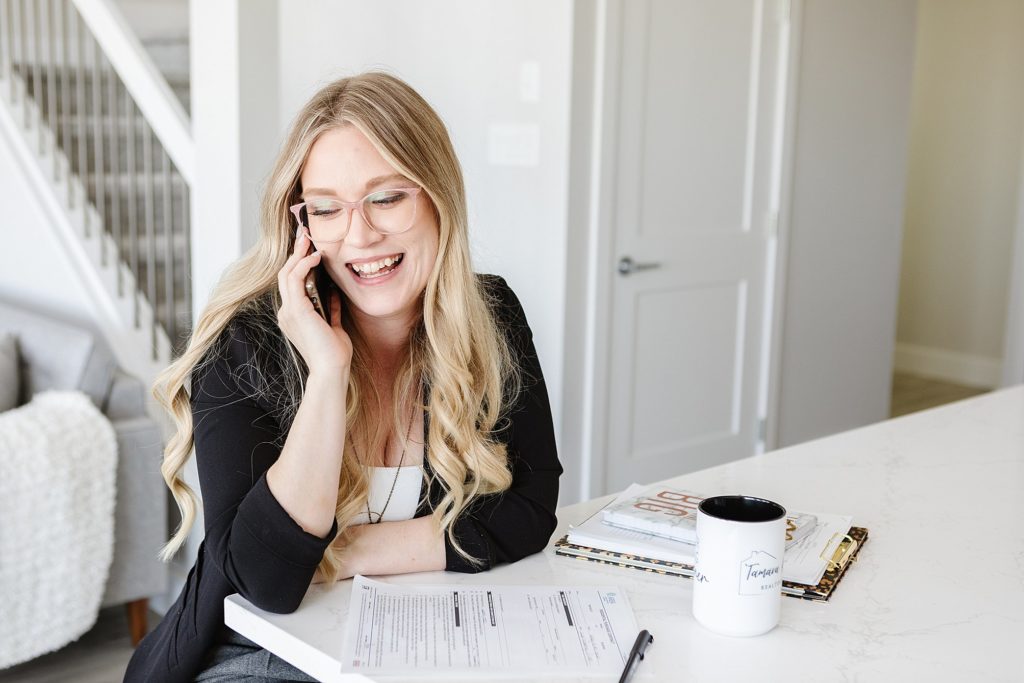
pixel 325 348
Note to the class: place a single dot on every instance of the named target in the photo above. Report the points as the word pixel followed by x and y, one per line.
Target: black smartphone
pixel 313 282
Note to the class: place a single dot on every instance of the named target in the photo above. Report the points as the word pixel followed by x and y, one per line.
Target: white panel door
pixel 700 100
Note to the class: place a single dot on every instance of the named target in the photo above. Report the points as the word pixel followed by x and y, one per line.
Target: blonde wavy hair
pixel 456 349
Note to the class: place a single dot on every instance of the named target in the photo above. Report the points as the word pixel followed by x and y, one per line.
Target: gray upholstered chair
pixel 57 355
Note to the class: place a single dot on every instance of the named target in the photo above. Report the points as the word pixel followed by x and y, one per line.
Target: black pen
pixel 643 639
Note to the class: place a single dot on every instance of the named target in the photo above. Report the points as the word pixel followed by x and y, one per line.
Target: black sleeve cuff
pixel 472 540
pixel 271 525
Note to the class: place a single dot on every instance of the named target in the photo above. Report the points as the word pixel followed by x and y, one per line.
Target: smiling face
pixel 381 276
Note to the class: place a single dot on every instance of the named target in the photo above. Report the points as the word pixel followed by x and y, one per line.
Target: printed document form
pixel 494 629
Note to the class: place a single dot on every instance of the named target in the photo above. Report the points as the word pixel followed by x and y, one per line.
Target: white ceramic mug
pixel 737 588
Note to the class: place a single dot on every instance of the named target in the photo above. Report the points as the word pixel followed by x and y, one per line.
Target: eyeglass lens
pixel 387 212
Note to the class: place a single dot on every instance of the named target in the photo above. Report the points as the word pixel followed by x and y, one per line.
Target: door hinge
pixel 762 430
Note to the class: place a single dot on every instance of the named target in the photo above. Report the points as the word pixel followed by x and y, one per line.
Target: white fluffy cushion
pixel 10 372
pixel 58 462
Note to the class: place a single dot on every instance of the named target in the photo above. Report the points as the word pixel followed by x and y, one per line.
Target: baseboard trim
pixel 950 366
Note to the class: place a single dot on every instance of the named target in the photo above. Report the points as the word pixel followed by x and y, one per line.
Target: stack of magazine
pixel 654 529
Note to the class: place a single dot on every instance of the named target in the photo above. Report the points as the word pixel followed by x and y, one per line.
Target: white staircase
pixel 105 141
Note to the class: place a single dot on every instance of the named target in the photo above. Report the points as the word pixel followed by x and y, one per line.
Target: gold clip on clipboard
pixel 843 552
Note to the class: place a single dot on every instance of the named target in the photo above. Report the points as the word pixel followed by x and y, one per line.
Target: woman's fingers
pixel 293 285
pixel 299 248
pixel 291 282
pixel 289 267
pixel 297 278
pixel 289 264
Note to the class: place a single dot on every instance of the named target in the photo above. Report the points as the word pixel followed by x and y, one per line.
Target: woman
pixel 408 431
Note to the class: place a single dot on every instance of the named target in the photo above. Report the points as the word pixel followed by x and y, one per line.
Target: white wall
pixel 233 47
pixel 843 252
pixel 465 57
pixel 35 270
pixel 156 19
pixel 965 156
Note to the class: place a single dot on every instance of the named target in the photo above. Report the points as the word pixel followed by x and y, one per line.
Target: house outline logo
pixel 760 572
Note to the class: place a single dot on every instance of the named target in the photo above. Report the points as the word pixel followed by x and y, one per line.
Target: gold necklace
pixel 398 470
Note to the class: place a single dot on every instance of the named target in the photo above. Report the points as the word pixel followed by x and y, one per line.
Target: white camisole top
pixel 404 500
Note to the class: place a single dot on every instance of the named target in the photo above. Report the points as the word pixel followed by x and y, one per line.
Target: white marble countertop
pixel 937 593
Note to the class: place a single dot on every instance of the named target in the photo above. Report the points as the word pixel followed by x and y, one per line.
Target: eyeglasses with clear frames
pixel 389 212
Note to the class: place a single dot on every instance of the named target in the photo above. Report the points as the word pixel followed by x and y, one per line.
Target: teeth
pixel 376 266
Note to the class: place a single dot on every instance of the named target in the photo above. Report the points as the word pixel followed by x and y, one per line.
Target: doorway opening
pixel 962 204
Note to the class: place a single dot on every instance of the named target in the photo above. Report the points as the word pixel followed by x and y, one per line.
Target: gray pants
pixel 240 659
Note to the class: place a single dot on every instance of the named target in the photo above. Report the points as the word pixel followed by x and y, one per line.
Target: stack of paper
pixel 487 630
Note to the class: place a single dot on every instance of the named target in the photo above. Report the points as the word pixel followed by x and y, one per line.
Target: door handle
pixel 627 266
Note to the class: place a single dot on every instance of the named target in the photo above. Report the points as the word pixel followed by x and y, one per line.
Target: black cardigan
pixel 253 547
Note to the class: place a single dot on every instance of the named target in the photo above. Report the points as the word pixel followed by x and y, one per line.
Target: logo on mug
pixel 761 572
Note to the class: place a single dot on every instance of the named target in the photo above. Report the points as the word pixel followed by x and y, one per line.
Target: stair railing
pixel 121 140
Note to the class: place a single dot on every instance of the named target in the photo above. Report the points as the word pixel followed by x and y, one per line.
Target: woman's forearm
pixel 412 545
pixel 304 480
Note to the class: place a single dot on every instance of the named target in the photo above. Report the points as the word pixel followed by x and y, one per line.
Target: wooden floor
pixel 911 394
pixel 100 656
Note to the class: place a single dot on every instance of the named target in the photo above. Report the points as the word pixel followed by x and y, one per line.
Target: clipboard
pixel 843 556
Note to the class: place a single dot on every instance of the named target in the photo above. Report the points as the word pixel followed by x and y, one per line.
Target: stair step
pixel 177 220
pixel 178 240
pixel 119 120
pixel 123 235
pixel 122 179
pixel 122 184
pixel 66 80
pixel 161 296
pixel 179 280
pixel 178 243
pixel 178 305
pixel 180 317
pixel 176 256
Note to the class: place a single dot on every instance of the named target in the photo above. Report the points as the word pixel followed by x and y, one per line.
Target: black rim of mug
pixel 749 509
